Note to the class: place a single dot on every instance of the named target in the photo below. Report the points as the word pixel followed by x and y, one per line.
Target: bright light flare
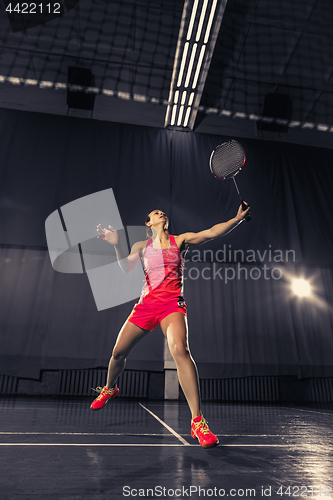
pixel 301 287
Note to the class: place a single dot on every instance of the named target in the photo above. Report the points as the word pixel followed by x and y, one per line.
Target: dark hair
pixel 149 231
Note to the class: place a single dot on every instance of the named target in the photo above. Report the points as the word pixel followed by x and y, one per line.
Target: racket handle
pixel 248 216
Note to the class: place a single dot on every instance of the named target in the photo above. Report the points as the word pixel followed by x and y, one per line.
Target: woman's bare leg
pixel 174 328
pixel 128 337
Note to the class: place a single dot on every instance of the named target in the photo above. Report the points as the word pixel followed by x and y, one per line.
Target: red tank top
pixel 163 270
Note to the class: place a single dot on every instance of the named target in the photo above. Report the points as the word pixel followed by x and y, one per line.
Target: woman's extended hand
pixel 110 235
pixel 241 214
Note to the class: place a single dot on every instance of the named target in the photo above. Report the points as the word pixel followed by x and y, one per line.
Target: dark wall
pixel 248 325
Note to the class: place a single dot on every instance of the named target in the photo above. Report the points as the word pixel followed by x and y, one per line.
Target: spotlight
pixel 301 287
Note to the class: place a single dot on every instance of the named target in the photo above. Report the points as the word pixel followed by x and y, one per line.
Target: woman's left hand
pixel 241 214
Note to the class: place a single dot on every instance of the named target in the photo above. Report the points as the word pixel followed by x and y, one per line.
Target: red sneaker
pixel 103 398
pixel 200 430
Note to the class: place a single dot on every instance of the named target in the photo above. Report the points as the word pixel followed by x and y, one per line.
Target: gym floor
pixel 57 448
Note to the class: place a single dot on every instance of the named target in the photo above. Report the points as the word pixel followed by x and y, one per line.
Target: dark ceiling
pixel 281 47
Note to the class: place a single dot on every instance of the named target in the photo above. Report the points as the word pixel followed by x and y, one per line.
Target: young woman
pixel 162 303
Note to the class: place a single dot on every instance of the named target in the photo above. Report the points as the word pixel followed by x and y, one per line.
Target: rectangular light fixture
pixel 200 25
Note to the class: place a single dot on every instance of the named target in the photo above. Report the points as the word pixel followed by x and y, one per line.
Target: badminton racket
pixel 225 162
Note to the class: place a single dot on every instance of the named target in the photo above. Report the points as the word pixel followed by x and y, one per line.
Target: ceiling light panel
pixel 200 24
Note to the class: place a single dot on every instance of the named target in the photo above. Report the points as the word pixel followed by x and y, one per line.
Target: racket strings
pixel 227 159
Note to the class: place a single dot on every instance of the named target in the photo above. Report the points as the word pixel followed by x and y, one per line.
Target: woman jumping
pixel 162 303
